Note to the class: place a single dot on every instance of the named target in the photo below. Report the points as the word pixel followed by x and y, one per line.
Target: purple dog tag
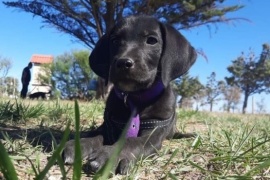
pixel 134 127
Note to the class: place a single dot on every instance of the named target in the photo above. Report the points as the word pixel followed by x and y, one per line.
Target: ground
pixel 227 145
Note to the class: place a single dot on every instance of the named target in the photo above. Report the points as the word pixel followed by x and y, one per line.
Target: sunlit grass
pixel 227 146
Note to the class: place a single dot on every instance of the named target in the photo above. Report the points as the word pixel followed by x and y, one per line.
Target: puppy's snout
pixel 124 63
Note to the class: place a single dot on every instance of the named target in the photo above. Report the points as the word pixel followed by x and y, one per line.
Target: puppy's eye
pixel 151 40
pixel 116 41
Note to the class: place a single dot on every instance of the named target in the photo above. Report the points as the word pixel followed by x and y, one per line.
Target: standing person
pixel 26 77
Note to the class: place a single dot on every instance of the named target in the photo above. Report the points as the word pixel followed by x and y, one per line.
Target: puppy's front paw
pixel 87 146
pixel 68 154
pixel 98 158
pixel 123 166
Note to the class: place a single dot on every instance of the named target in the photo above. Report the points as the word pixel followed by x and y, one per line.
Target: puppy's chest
pixel 115 124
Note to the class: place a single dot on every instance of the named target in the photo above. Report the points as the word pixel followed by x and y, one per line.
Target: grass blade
pixel 6 165
pixel 104 172
pixel 59 159
pixel 56 154
pixel 32 165
pixel 172 156
pixel 77 165
pixel 196 143
pixel 197 166
pixel 254 147
pixel 173 176
pixel 265 164
pixel 244 139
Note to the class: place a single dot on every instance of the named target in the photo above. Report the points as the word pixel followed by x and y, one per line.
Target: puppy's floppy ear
pixel 177 56
pixel 99 58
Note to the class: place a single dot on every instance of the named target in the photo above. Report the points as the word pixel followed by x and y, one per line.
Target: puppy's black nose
pixel 124 63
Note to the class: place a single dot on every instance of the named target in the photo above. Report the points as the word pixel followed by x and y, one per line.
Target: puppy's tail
pixel 178 135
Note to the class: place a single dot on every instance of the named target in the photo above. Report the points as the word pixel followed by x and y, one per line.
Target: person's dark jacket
pixel 26 75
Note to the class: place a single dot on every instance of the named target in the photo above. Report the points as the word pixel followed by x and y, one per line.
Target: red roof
pixel 38 58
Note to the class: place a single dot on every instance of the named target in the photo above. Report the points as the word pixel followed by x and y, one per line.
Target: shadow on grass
pixel 39 136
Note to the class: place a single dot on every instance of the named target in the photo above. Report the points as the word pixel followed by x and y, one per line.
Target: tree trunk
pixel 211 106
pixel 102 89
pixel 184 103
pixel 181 102
pixel 229 107
pixel 244 109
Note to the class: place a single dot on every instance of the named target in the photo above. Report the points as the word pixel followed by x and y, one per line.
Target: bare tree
pixel 11 86
pixel 5 65
pixel 232 95
pixel 213 90
pixel 261 106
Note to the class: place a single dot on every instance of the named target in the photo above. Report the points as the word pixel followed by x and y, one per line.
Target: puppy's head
pixel 139 50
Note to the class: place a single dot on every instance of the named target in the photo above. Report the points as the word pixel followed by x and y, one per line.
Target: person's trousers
pixel 24 90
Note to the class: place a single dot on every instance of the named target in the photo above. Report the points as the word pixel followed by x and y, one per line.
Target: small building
pixel 37 85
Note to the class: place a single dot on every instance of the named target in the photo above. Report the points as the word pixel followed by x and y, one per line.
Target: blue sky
pixel 22 35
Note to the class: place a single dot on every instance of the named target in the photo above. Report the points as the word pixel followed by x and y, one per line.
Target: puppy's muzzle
pixel 124 63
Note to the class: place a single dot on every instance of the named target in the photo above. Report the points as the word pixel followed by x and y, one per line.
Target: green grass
pixel 227 146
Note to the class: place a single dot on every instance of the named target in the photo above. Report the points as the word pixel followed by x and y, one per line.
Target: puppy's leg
pixel 88 145
pixel 133 149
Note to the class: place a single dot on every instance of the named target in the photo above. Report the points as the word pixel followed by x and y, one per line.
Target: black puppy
pixel 140 56
pixel 38 95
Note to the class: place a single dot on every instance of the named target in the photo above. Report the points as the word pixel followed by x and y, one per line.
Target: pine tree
pixel 187 87
pixel 251 74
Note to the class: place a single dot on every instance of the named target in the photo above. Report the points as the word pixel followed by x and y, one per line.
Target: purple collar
pixel 135 99
pixel 141 97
